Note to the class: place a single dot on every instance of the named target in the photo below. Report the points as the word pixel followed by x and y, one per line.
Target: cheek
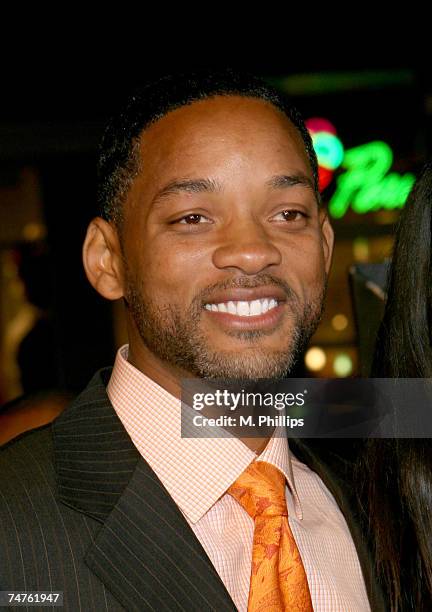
pixel 305 267
pixel 173 269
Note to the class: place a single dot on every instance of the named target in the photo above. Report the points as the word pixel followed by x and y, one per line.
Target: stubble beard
pixel 176 338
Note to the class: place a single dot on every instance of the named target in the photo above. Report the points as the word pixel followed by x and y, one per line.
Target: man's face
pixel 225 249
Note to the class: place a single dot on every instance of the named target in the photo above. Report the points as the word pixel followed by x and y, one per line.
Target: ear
pixel 328 239
pixel 102 259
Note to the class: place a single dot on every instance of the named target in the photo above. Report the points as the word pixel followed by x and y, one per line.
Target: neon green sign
pixel 366 184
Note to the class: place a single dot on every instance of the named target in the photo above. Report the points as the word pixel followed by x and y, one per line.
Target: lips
pixel 266 322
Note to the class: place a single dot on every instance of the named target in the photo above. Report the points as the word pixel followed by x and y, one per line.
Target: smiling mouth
pixel 243 308
pixel 237 316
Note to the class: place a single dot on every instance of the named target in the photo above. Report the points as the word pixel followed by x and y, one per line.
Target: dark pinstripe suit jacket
pixel 82 512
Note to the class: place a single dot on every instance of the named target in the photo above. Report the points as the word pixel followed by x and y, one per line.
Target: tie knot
pixel 260 489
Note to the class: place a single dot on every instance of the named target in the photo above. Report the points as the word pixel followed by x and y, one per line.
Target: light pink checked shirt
pixel 197 472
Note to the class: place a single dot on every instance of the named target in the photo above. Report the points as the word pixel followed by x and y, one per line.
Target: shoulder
pixel 27 488
pixel 41 538
pixel 27 481
pixel 27 460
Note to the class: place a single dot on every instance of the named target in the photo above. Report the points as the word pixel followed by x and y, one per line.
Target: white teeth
pixel 243 308
pixel 232 308
pixel 255 308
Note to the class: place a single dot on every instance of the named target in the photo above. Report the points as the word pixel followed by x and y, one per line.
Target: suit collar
pixel 94 456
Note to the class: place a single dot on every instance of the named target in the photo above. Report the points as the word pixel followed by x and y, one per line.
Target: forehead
pixel 204 130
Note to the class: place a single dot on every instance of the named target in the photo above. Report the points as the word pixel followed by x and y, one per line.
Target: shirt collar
pixel 195 471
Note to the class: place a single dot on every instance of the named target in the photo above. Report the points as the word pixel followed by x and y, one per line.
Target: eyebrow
pixel 285 181
pixel 201 185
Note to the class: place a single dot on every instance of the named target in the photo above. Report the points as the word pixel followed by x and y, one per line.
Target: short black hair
pixel 119 160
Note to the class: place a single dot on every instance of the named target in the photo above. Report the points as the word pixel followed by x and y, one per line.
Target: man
pixel 213 234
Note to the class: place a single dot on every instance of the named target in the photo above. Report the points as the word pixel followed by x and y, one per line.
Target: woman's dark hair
pixel 404 347
pixel 119 155
pixel 398 494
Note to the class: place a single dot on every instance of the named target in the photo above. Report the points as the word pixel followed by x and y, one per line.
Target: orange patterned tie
pixel 278 579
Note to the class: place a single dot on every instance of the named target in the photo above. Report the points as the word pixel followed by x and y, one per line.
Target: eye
pixel 290 215
pixel 193 219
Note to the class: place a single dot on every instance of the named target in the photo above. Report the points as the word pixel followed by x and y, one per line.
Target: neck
pixel 257 445
pixel 168 377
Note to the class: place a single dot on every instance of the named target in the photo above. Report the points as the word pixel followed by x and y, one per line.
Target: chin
pixel 234 365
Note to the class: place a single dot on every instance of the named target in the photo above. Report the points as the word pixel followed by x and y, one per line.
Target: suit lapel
pixel 148 556
pixel 145 552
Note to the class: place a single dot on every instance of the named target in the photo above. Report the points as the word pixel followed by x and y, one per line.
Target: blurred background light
pixel 339 322
pixel 315 359
pixel 342 365
pixel 361 249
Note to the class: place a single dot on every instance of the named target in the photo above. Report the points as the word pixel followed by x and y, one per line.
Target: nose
pixel 246 247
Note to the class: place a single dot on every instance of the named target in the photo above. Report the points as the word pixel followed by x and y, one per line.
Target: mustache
pixel 246 282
